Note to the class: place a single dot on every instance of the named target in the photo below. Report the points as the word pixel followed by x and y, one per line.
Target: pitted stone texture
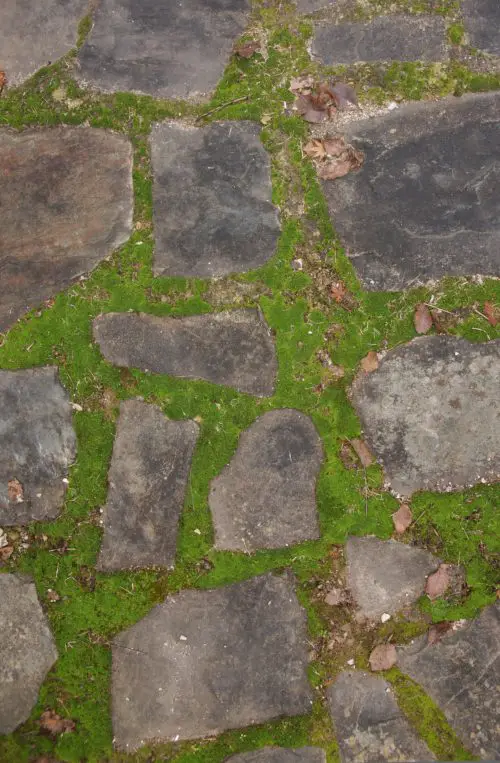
pixel 147 484
pixel 212 199
pixel 426 202
pixel 311 6
pixel 34 34
pixel 66 201
pixel 37 444
pixel 385 38
pixel 169 50
pixel 431 413
pixel 385 576
pixel 482 24
pixel 265 497
pixel 281 755
pixel 461 673
pixel 206 661
pixel 230 348
pixel 368 722
pixel 27 650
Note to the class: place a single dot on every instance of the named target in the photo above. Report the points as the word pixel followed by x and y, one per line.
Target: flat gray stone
pixel 230 348
pixel 212 199
pixel 311 6
pixel 207 661
pixel 147 485
pixel 368 722
pixel 266 496
pixel 461 673
pixel 385 576
pixel 169 50
pixel 431 413
pixel 482 23
pixel 27 650
pixel 426 202
pixel 37 445
pixel 281 755
pixel 34 34
pixel 66 201
pixel 385 38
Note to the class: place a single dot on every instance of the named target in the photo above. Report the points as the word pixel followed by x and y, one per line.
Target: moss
pixel 456 33
pixel 84 28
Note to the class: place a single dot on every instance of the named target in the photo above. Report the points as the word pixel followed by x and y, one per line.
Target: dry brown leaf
pixel 370 362
pixel 362 452
pixel 247 49
pixel 334 169
pixel 3 80
pixel 52 595
pixel 315 149
pixel 334 597
pixel 492 313
pixel 383 657
pixel 402 518
pixel 302 84
pixel 338 291
pixel 437 631
pixel 438 582
pixel 422 319
pixel 15 491
pixel 347 456
pixel 54 724
pixel 337 372
pixel 334 145
pixel 345 94
pixel 6 552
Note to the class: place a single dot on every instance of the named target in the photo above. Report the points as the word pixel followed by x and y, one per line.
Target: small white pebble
pixel 350 662
pixel 392 105
pixel 76 407
pixel 183 638
pixel 197 531
pixel 38 495
pixel 176 738
pixel 385 617
pixel 65 480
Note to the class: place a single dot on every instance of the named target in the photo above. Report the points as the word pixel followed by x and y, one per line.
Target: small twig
pixel 435 307
pixel 366 492
pixel 222 106
pixel 480 313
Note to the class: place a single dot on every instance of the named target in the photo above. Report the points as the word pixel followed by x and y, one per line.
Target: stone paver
pixel 173 50
pixel 281 755
pixel 206 661
pixel 66 201
pixel 212 199
pixel 368 722
pixel 311 6
pixel 431 413
pixel 34 34
pixel 462 675
pixel 385 38
pixel 37 445
pixel 385 576
pixel 482 23
pixel 230 348
pixel 147 484
pixel 27 650
pixel 426 202
pixel 265 497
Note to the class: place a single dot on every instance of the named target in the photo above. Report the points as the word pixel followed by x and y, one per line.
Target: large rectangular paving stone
pixel 281 755
pixel 207 661
pixel 482 24
pixel 426 202
pixel 169 50
pixel 212 199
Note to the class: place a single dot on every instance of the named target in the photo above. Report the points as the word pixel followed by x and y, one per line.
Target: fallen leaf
pixel 402 518
pixel 444 321
pixel 383 657
pixel 437 631
pixel 347 456
pixel 370 362
pixel 52 595
pixel 334 597
pixel 334 146
pixel 362 452
pixel 54 724
pixel 247 49
pixel 438 582
pixel 315 149
pixel 307 110
pixel 346 95
pixel 6 552
pixel 338 291
pixel 422 319
pixel 3 80
pixel 265 119
pixel 15 491
pixel 302 84
pixel 346 158
pixel 492 313
pixel 334 169
pixel 336 371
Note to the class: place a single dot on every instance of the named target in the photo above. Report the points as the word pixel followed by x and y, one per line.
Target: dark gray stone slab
pixel 310 6
pixel 37 444
pixel 230 348
pixel 482 23
pixel 385 38
pixel 147 484
pixel 281 755
pixel 206 661
pixel 170 50
pixel 27 650
pixel 66 201
pixel 426 202
pixel 461 673
pixel 265 497
pixel 212 199
pixel 34 34
pixel 368 722
pixel 385 576
pixel 431 413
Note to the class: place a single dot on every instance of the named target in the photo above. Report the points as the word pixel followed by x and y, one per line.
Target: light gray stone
pixel 311 6
pixel 385 576
pixel 369 724
pixel 207 661
pixel 426 202
pixel 482 23
pixel 37 444
pixel 266 496
pixel 212 199
pixel 281 755
pixel 431 413
pixel 232 348
pixel 147 485
pixel 461 673
pixel 27 650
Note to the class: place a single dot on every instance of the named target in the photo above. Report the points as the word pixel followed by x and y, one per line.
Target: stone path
pixel 275 755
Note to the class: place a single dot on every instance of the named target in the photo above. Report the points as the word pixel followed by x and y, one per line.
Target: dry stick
pixel 435 307
pixel 222 106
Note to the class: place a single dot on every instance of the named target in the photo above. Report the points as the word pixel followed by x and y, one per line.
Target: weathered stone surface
pixel 431 413
pixel 170 50
pixel 426 202
pixel 147 484
pixel 212 199
pixel 368 722
pixel 66 201
pixel 482 23
pixel 37 444
pixel 230 348
pixel 385 576
pixel 265 497
pixel 281 755
pixel 310 6
pixel 461 673
pixel 33 35
pixel 206 661
pixel 385 38
pixel 27 650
